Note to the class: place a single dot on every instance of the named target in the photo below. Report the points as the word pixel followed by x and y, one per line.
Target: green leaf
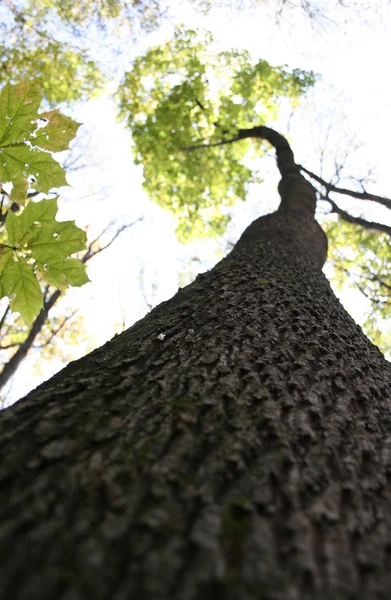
pixel 21 161
pixel 18 226
pixel 65 272
pixel 51 242
pixel 57 133
pixel 65 74
pixel 18 110
pixel 28 138
pixel 6 254
pixel 38 245
pixel 19 283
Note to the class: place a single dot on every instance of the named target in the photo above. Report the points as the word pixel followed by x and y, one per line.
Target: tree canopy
pixel 61 42
pixel 186 93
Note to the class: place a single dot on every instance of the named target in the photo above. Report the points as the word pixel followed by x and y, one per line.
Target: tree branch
pixel 285 158
pixel 57 330
pixel 4 316
pixel 295 190
pixel 90 252
pixel 12 365
pixel 357 220
pixel 359 195
pixel 287 165
pixel 7 346
pixel 372 277
pixel 19 16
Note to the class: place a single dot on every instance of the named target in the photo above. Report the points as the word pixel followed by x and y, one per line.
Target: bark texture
pixel 233 445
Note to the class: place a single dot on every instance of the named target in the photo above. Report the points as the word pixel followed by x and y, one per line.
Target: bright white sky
pixel 352 59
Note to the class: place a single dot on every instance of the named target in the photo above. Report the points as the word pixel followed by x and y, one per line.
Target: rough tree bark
pixel 235 444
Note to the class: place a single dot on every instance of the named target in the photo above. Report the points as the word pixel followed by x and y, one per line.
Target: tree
pixel 57 42
pixel 194 124
pixel 234 443
pixel 46 331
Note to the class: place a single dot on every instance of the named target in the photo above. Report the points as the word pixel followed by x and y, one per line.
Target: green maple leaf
pixel 21 161
pixel 6 257
pixel 57 133
pixel 62 273
pixel 36 245
pixel 19 283
pixel 27 139
pixel 18 227
pixel 18 109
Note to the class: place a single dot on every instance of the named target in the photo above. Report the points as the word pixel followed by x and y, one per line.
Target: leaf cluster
pixel 184 93
pixel 83 12
pixel 38 246
pixel 27 139
pixel 57 41
pixel 34 246
pixel 65 74
pixel 362 257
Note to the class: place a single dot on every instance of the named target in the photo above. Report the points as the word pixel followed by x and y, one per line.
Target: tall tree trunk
pixel 235 444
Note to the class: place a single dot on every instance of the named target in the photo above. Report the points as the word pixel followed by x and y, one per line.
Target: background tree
pixel 46 332
pixel 61 42
pixel 73 47
pixel 359 247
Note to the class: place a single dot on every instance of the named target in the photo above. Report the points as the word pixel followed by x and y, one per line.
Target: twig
pixel 359 195
pixel 357 220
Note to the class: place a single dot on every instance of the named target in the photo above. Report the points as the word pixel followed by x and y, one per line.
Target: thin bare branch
pixel 57 330
pixel 21 18
pixel 3 318
pixel 7 346
pixel 12 365
pixel 90 252
pixel 357 220
pixel 359 195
